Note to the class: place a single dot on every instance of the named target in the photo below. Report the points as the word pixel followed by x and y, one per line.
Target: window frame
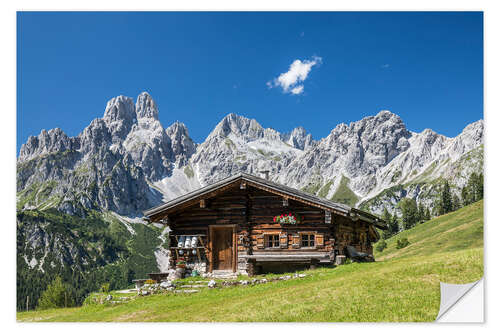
pixel 312 239
pixel 275 241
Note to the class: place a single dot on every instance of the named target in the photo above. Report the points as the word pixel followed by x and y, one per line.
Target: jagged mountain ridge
pixel 126 161
pixel 109 165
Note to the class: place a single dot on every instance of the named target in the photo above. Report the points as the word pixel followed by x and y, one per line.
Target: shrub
pixel 381 246
pixel 105 287
pixel 57 295
pixel 402 243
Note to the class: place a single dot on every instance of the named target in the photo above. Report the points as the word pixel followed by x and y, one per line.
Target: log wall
pixel 252 211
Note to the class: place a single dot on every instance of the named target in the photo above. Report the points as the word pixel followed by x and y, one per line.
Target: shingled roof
pixel 273 187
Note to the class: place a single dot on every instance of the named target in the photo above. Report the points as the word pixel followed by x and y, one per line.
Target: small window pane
pixel 272 241
pixel 307 240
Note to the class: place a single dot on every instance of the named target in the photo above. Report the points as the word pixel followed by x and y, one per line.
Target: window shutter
pixel 319 240
pixel 283 240
pixel 296 241
pixel 260 241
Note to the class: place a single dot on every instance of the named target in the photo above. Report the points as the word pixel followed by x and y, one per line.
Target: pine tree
pixel 474 190
pixel 445 201
pixel 387 218
pixel 394 224
pixel 409 211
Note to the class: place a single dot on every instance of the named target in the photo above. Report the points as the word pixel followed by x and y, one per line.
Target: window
pixel 307 240
pixel 272 241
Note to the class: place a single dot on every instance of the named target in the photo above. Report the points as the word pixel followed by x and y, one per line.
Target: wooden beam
pixel 203 203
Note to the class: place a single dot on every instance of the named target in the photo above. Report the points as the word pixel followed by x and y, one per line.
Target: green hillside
pixel 403 285
pixel 462 229
pixel 84 252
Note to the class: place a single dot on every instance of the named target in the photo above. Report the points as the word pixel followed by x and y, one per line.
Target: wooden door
pixel 223 248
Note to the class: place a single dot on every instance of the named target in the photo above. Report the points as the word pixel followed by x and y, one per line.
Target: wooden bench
pixel 256 261
pixel 139 283
pixel 158 277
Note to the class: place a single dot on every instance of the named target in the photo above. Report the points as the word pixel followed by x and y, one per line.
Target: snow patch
pixel 33 262
pixel 177 184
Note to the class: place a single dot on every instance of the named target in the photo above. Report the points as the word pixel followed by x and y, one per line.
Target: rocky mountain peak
pixel 474 130
pixel 471 137
pixel 145 107
pixel 385 115
pixel 299 138
pixel 182 144
pixel 54 140
pixel 119 116
pixel 240 126
pixel 120 108
pixel 177 128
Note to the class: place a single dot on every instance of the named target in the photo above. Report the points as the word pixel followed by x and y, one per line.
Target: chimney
pixel 266 174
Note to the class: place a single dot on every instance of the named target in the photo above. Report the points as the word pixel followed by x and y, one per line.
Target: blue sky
pixel 425 67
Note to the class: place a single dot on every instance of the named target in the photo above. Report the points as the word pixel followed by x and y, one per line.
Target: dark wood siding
pixel 252 210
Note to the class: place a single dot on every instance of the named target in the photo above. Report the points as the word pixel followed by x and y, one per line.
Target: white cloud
pixel 297 90
pixel 297 73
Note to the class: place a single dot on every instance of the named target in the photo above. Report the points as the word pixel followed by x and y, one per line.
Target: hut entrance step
pixel 224 274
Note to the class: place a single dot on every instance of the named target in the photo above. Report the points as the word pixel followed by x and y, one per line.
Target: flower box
pixel 289 218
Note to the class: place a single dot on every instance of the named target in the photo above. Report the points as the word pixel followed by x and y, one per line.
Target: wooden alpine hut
pixel 247 224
